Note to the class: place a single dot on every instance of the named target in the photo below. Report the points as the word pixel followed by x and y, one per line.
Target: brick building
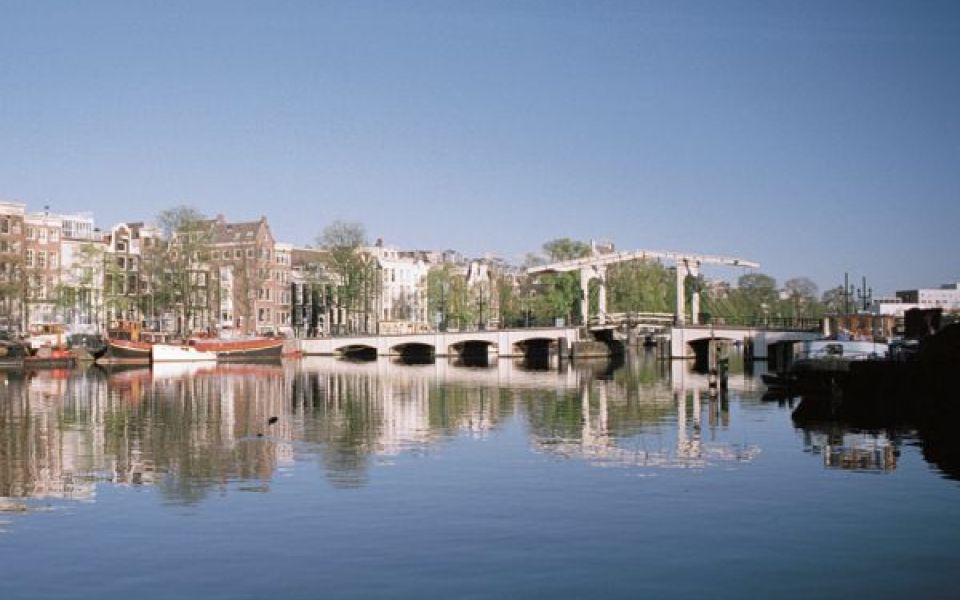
pixel 11 266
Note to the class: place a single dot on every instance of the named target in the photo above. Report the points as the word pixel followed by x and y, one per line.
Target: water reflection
pixel 193 430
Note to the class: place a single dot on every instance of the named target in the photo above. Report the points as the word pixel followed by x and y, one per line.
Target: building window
pixel 41 259
pixel 29 259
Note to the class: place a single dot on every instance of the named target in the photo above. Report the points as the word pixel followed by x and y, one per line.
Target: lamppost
pixel 443 306
pixel 480 325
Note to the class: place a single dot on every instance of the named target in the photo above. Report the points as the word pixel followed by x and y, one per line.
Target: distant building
pixel 11 266
pixel 254 280
pixel 947 297
pixel 128 293
pixel 41 268
pixel 82 252
pixel 894 307
pixel 402 306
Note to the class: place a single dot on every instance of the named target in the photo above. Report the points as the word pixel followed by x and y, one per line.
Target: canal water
pixel 326 478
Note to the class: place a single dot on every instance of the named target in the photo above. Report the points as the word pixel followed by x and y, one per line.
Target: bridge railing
pixel 763 322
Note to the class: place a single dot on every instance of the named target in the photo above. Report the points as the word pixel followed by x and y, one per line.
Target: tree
pixel 834 300
pixel 560 292
pixel 801 294
pixel 448 296
pixel 757 294
pixel 565 249
pixel 179 273
pixel 355 272
pixel 640 286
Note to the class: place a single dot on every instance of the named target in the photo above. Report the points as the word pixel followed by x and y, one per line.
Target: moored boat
pixel 13 353
pixel 125 352
pixel 240 350
pixel 127 343
pixel 51 358
pixel 180 353
pixel 823 365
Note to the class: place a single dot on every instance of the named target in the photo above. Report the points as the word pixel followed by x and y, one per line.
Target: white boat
pixel 179 353
pixel 846 350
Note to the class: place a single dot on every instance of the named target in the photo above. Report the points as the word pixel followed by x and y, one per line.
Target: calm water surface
pixel 443 481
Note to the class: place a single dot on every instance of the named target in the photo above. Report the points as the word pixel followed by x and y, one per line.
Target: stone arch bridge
pixel 501 342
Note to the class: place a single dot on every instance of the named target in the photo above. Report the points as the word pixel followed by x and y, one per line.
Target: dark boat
pixel 16 355
pixel 51 358
pixel 126 344
pixel 12 354
pixel 92 344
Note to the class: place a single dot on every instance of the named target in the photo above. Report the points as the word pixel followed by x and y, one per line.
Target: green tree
pixel 559 293
pixel 801 296
pixel 354 271
pixel 640 286
pixel 179 274
pixel 757 294
pixel 448 296
pixel 565 249
pixel 834 301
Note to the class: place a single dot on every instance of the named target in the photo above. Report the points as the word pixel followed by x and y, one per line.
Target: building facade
pixel 41 268
pixel 11 266
pixel 946 296
pixel 253 281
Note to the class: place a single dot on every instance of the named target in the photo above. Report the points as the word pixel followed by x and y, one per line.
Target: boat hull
pixel 178 353
pixel 126 352
pixel 242 350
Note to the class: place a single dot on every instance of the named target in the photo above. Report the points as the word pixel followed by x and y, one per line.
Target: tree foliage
pixel 355 272
pixel 178 272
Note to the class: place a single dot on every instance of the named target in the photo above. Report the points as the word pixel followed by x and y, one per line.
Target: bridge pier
pixel 760 339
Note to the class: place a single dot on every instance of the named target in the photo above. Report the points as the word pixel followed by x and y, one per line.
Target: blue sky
pixel 814 137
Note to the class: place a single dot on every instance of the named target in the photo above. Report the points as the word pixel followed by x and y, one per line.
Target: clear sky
pixel 814 137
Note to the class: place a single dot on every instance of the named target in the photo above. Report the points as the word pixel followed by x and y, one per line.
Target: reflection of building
pixel 853 451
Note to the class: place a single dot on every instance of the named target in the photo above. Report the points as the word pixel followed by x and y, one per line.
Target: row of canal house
pixel 61 269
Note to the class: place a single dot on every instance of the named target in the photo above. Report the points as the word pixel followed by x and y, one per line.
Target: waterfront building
pixel 328 300
pixel 402 303
pixel 894 307
pixel 253 282
pixel 132 252
pixel 11 266
pixel 312 287
pixel 80 294
pixel 41 269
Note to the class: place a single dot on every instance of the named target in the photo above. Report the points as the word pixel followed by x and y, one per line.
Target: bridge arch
pixel 473 351
pixel 417 352
pixel 358 352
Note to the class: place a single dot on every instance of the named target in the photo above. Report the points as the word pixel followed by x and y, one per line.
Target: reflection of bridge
pixel 503 342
